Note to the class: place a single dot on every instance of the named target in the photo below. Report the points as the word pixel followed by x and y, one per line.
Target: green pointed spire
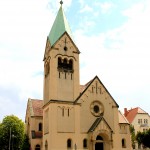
pixel 60 26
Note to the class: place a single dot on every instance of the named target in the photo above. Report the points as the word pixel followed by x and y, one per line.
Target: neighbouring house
pixel 139 119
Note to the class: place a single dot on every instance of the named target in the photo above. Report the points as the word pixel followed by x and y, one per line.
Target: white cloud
pixel 24 28
pixel 86 9
pixel 105 7
pixel 123 64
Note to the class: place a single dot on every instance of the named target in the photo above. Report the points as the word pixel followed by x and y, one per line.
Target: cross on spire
pixel 61 2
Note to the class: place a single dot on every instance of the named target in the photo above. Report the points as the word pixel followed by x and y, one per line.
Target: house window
pixel 123 143
pixel 40 126
pixel 139 121
pixel 69 143
pixel 37 147
pixel 85 143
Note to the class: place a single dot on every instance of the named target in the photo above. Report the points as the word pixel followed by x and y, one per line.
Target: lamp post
pixel 12 140
pixel 9 138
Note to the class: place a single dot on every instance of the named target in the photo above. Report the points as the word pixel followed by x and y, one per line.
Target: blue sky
pixel 113 37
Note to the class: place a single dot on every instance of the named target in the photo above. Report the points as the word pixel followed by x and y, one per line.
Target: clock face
pixel 97 109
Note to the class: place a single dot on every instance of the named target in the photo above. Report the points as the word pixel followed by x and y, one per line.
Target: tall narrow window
pixel 65 66
pixel 68 112
pixel 123 143
pixel 100 90
pixel 40 126
pixel 85 143
pixel 69 143
pixel 71 76
pixel 59 63
pixel 92 89
pixel 70 65
pixel 63 112
pixel 65 75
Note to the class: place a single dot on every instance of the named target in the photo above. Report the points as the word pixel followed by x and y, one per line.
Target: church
pixel 72 116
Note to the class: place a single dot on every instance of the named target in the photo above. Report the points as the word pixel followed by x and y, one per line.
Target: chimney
pixel 125 112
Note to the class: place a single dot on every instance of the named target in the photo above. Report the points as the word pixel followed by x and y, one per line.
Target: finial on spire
pixel 61 2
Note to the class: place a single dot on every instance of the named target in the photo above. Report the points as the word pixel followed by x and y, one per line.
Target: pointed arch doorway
pixel 99 145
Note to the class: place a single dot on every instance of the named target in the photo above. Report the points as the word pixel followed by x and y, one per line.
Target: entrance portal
pixel 99 144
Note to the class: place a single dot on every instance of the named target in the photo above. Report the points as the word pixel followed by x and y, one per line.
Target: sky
pixel 113 37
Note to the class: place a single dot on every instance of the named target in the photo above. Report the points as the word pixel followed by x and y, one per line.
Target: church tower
pixel 61 62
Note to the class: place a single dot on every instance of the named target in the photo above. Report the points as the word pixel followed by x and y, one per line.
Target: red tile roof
pixel 37 107
pixel 130 114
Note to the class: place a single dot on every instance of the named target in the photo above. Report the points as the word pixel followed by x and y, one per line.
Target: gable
pixel 66 41
pixel 96 101
pixel 97 88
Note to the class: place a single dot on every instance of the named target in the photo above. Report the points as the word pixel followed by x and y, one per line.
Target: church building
pixel 73 116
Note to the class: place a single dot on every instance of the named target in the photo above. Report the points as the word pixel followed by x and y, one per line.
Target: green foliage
pixel 132 131
pixel 143 138
pixel 25 144
pixel 11 133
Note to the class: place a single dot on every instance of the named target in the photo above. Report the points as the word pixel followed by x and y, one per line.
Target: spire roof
pixel 60 26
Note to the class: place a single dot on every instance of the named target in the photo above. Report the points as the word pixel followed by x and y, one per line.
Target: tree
pixel 11 133
pixel 146 139
pixel 132 131
pixel 143 138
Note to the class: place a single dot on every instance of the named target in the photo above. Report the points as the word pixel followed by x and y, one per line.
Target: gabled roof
pixel 122 118
pixel 130 114
pixel 85 87
pixel 96 123
pixel 60 26
pixel 35 107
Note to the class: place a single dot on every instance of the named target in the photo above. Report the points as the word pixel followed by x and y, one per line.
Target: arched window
pixel 65 65
pixel 69 143
pixel 59 63
pixel 40 126
pixel 85 143
pixel 37 147
pixel 123 143
pixel 70 65
pixel 46 145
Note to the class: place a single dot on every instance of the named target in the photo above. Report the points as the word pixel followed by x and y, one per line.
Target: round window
pixel 97 108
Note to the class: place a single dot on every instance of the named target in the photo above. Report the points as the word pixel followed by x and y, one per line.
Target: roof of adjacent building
pixel 122 118
pixel 60 26
pixel 36 107
pixel 130 114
